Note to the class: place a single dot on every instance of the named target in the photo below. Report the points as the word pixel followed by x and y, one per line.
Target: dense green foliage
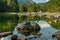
pixel 8 22
pixel 56 25
pixel 9 6
pixel 13 6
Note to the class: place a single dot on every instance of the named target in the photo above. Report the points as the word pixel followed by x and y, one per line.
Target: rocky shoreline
pixel 16 37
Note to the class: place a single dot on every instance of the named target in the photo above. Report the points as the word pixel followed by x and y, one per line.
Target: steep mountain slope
pixel 25 1
pixel 20 1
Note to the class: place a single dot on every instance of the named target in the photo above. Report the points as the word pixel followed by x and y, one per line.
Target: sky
pixel 40 1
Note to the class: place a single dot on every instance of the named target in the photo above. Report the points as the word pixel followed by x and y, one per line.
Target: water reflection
pixel 46 32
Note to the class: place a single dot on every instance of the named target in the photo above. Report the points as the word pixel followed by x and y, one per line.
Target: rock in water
pixel 28 27
pixel 5 34
pixel 58 35
pixel 14 37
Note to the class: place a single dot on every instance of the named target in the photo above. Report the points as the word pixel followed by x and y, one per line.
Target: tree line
pixel 9 6
pixel 13 6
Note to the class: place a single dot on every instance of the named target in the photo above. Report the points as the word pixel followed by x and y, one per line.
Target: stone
pixel 14 37
pixel 58 34
pixel 28 28
pixel 39 34
pixel 22 38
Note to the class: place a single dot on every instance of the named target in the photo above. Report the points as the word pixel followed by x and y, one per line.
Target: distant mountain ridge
pixel 25 1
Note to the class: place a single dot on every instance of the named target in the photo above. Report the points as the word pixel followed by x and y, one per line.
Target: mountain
pixel 32 2
pixel 25 1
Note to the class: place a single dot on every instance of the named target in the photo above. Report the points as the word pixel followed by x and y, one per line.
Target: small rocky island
pixel 28 27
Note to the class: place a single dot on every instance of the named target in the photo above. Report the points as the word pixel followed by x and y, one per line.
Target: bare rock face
pixel 28 27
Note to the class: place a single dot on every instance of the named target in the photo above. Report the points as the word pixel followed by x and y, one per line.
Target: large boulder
pixel 28 27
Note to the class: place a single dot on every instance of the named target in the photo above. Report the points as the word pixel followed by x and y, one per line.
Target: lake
pixel 46 31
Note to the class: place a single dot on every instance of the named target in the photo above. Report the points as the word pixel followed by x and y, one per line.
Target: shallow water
pixel 46 31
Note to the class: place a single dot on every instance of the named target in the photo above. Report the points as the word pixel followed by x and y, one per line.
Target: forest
pixel 14 6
